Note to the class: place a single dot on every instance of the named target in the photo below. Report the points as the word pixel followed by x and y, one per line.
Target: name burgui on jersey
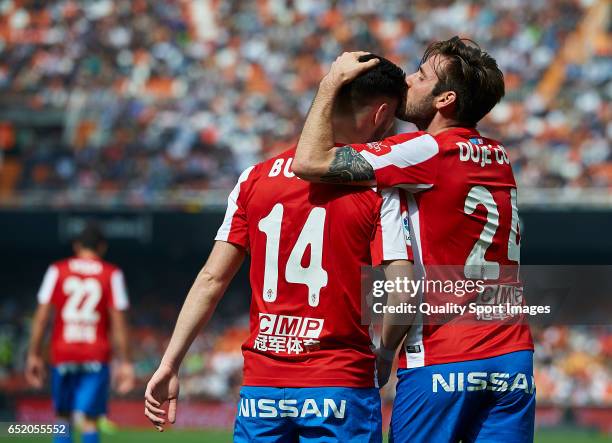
pixel 447 295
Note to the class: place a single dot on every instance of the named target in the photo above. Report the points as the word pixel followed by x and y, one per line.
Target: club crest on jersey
pixel 406 224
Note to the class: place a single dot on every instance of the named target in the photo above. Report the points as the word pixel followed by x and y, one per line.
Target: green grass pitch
pixel 208 436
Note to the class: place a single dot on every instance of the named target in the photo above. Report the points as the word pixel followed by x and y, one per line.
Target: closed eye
pixel 421 74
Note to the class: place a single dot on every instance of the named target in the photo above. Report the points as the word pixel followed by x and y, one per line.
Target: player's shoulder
pixel 404 141
pixel 281 163
pixel 61 266
pixel 410 136
pixel 285 159
pixel 108 271
pixel 466 134
pixel 109 266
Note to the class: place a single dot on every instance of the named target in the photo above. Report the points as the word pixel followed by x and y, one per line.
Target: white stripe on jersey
pixel 232 207
pixel 392 224
pixel 415 333
pixel 409 153
pixel 119 293
pixel 48 285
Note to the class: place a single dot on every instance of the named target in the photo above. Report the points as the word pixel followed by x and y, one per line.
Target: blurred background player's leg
pixel 63 385
pixel 91 398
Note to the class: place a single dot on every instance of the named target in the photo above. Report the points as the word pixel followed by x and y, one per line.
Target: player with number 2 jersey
pixel 464 376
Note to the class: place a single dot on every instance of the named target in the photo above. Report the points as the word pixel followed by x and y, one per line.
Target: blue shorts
pixel 80 387
pixel 327 414
pixel 488 400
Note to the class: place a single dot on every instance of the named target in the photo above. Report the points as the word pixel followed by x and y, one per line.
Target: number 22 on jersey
pixel 80 310
pixel 313 276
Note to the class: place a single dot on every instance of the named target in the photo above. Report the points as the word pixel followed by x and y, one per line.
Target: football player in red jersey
pixel 89 298
pixel 309 366
pixel 470 377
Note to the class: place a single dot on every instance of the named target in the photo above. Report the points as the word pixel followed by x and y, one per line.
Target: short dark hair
pixel 91 237
pixel 386 79
pixel 472 73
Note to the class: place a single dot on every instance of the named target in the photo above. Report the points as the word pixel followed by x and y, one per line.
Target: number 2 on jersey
pixel 476 266
pixel 313 276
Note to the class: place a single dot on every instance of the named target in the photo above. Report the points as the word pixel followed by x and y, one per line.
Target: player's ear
pixel 445 100
pixel 382 114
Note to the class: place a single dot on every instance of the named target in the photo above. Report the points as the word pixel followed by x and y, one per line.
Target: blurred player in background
pixel 463 213
pixel 309 366
pixel 89 299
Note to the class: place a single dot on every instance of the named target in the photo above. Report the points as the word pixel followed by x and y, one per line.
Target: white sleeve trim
pixel 48 285
pixel 119 292
pixel 392 224
pixel 232 206
pixel 409 153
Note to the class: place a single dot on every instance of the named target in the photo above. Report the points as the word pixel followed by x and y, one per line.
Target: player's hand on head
pixel 163 387
pixel 347 67
pixel 35 371
pixel 124 378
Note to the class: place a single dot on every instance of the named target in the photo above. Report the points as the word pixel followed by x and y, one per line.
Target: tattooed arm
pixel 348 166
pixel 316 158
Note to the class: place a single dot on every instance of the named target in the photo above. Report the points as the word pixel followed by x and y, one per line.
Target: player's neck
pixel 87 254
pixel 353 136
pixel 342 138
pixel 440 124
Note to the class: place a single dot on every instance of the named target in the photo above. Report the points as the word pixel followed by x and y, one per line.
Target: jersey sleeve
pixel 119 295
pixel 45 293
pixel 234 228
pixel 409 161
pixel 389 242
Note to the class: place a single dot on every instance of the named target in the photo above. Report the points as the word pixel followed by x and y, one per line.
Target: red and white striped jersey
pixel 308 243
pixel 82 291
pixel 463 213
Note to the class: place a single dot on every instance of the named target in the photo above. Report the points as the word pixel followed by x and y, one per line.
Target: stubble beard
pixel 420 113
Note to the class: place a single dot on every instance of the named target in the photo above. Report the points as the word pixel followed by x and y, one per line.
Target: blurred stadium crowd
pixel 130 98
pixel 572 364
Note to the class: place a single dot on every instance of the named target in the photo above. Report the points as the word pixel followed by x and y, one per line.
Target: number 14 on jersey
pixel 313 276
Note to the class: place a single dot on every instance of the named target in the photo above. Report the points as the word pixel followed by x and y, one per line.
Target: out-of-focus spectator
pixel 573 365
pixel 138 98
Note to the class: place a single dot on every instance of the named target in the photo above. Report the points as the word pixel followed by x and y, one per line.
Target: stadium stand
pixel 134 99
